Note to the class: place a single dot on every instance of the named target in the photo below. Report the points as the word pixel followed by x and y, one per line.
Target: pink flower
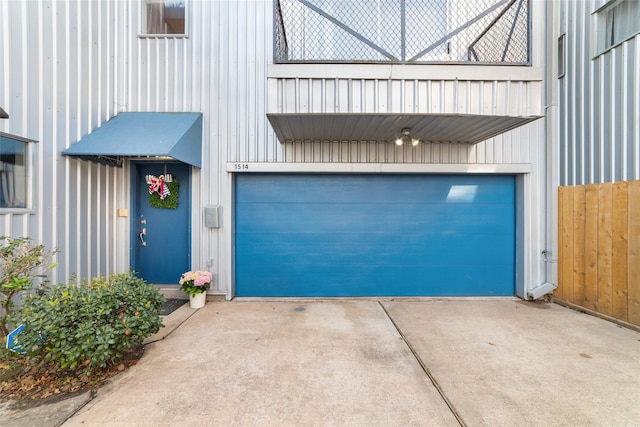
pixel 202 280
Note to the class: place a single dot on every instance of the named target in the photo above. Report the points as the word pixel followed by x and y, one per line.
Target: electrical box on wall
pixel 212 216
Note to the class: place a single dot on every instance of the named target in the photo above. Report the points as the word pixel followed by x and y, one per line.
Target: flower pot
pixel 198 300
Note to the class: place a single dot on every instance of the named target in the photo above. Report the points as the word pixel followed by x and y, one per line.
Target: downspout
pixel 546 287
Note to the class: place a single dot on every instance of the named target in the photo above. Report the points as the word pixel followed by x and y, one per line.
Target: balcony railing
pixel 402 31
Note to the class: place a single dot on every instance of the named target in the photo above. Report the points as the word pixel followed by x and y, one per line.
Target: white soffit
pixel 329 127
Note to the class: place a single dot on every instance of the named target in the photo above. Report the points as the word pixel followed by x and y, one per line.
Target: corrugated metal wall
pixel 68 66
pixel 599 137
pixel 57 82
pixel 324 95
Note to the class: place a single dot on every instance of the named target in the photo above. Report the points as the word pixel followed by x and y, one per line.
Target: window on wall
pixel 616 22
pixel 165 17
pixel 13 172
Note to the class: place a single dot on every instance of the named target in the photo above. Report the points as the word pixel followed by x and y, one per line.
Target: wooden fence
pixel 599 248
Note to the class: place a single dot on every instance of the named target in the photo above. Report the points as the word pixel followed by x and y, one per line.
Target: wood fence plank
pixel 578 214
pixel 567 244
pixel 620 230
pixel 591 247
pixel 559 291
pixel 633 254
pixel 605 247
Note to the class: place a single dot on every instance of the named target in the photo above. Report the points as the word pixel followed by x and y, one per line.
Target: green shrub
pixel 18 261
pixel 89 324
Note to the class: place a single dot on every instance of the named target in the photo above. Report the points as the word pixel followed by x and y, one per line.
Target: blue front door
pixel 160 236
pixel 374 235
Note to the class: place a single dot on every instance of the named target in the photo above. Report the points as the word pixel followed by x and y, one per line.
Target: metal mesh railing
pixel 402 31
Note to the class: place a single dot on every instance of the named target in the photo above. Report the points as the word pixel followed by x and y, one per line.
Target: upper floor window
pixel 13 172
pixel 165 17
pixel 616 22
pixel 402 31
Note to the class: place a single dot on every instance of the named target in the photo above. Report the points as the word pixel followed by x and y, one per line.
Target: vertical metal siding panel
pixel 608 103
pixel 599 117
pixel 71 134
pixel 502 98
pixel 304 100
pixel 596 111
pixel 577 122
pixel 625 84
pixel 562 93
pixel 422 96
pixel 382 89
pixel 591 107
pixel 344 95
pixel 573 133
pixel 585 106
pixel 506 152
pixel 462 97
pixel 617 114
pixel 355 100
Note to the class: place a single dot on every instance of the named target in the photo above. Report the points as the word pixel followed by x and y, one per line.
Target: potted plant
pixel 196 283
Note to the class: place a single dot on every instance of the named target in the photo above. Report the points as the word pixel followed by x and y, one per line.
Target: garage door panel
pixel 337 235
pixel 378 248
pixel 365 217
pixel 344 281
pixel 364 188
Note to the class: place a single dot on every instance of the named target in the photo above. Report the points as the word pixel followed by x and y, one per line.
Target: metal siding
pixel 313 95
pixel 599 137
pixel 90 50
pixel 57 73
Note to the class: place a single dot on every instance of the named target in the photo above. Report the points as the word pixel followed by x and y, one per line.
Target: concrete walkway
pixel 369 363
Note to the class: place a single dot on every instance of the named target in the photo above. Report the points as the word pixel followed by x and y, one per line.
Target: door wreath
pixel 163 191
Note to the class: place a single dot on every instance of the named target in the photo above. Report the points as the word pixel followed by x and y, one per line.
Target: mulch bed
pixel 25 383
pixel 31 385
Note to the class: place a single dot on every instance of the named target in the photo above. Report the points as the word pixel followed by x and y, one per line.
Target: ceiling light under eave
pixel 406 137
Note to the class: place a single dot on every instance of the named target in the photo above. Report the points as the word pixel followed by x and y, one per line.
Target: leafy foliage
pixel 18 261
pixel 169 202
pixel 91 324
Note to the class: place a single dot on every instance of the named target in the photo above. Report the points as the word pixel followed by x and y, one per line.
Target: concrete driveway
pixel 368 363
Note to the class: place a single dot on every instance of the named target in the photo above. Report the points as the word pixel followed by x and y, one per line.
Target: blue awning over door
pixel 144 134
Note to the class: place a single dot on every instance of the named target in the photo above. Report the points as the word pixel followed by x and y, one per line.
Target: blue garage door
pixel 374 235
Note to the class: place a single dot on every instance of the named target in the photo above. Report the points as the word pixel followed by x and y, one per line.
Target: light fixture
pixel 406 137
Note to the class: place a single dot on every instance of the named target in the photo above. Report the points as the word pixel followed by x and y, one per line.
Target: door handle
pixel 143 233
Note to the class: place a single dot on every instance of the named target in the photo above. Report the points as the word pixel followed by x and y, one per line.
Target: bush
pixel 89 324
pixel 18 261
